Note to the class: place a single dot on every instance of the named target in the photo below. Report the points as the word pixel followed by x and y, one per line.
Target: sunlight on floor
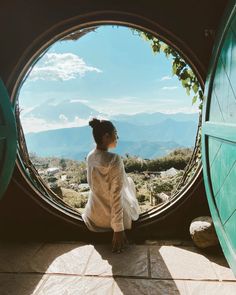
pixel 156 267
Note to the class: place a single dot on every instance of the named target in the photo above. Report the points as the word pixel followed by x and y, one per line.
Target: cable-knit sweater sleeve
pixel 116 202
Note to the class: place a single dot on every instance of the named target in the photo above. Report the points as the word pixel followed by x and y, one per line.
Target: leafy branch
pixel 179 67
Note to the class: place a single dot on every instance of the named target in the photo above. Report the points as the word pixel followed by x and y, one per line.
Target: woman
pixel 112 202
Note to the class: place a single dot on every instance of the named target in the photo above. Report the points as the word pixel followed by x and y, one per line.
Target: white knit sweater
pixel 112 202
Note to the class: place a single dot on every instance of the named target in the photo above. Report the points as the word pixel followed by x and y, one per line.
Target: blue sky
pixel 111 70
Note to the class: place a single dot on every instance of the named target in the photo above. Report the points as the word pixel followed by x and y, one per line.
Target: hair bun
pixel 94 122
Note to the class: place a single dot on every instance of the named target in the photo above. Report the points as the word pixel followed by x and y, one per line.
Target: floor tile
pixel 169 242
pixel 148 287
pixel 16 257
pixel 22 284
pixel 211 288
pixel 131 262
pixel 221 267
pixel 179 263
pixel 76 285
pixel 61 258
pixel 79 268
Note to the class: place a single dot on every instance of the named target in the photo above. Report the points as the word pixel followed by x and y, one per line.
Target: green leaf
pixel 174 68
pixel 190 72
pixel 195 87
pixel 156 47
pixel 188 90
pixel 194 99
pixel 200 94
pixel 178 71
pixel 184 75
pixel 164 47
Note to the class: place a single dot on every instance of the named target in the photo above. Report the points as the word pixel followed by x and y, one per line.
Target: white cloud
pixel 63 118
pixel 164 78
pixel 33 124
pixel 79 100
pixel 60 66
pixel 169 87
pixel 99 116
pixel 138 105
pixel 122 100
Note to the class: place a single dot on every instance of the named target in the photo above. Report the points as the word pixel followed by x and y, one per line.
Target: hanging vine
pixel 179 67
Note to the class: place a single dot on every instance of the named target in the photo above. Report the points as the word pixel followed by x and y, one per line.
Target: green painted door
pixel 8 139
pixel 219 135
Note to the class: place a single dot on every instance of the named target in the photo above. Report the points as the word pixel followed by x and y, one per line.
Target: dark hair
pixel 100 127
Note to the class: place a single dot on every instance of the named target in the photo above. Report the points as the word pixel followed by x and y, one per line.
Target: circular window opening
pixel 124 75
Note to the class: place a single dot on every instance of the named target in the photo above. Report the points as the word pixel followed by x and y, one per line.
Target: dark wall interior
pixel 26 26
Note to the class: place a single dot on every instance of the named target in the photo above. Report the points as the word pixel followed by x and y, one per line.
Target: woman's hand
pixel 119 241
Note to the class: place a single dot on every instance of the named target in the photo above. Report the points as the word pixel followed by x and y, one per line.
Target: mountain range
pixel 145 135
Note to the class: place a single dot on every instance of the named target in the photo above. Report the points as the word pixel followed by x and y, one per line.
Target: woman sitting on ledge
pixel 112 202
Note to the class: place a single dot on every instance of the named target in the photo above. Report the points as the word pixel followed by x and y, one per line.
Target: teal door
pixel 219 135
pixel 8 139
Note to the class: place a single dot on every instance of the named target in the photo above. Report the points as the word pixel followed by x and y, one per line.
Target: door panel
pixel 8 139
pixel 219 135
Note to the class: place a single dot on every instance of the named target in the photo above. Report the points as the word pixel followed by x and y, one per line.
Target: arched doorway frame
pixel 97 18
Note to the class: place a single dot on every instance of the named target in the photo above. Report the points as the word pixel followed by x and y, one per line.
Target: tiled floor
pixel 161 267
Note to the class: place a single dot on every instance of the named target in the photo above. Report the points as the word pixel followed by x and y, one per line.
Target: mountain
pixel 69 109
pixel 75 143
pixel 183 133
pixel 145 149
pixel 144 134
pixel 145 141
pixel 154 118
pixel 51 111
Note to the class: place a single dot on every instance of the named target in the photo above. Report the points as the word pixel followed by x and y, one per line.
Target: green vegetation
pixel 177 159
pixel 73 198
